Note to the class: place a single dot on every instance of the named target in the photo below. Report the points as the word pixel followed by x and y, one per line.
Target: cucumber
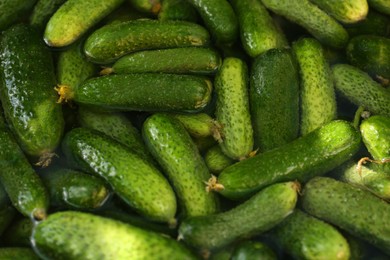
pixel 305 237
pixel 274 76
pixel 172 147
pixel 124 171
pixel 137 92
pixel 364 216
pixel 146 6
pixel 4 200
pixel 318 23
pixel 198 124
pixel 12 11
pixel 177 10
pixel 245 220
pixel 204 143
pixel 74 18
pixel 318 99
pixel 11 253
pixel 33 116
pixel 258 30
pixel 382 6
pixel 18 233
pixel 232 108
pixel 375 23
pixel 311 155
pixel 42 12
pixel 253 250
pixel 110 42
pixel 359 88
pixel 216 160
pixel 76 235
pixel 7 213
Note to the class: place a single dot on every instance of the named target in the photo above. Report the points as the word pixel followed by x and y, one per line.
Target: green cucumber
pixel 318 23
pixel 253 250
pixel 382 6
pixel 318 99
pixel 132 178
pixel 74 18
pixel 27 95
pixel 4 200
pixel 177 10
pixel 375 24
pixel 258 30
pixel 364 215
pixel 42 12
pixel 274 76
pixel 245 220
pixel 18 233
pixel 204 143
pixel 232 108
pixel 216 160
pixel 358 87
pixel 172 147
pixel 12 253
pixel 76 235
pixel 305 237
pixel 7 213
pixel 110 42
pixel 198 124
pixel 146 6
pixel 311 155
pixel 12 11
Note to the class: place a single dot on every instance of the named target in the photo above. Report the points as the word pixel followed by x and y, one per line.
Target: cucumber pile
pixel 194 129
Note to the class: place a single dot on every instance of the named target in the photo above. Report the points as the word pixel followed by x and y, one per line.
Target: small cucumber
pixel 305 237
pixel 146 6
pixel 74 18
pixel 232 108
pixel 77 235
pixel 253 250
pixel 18 233
pixel 358 87
pixel 318 99
pixel 274 99
pixel 112 41
pixel 42 12
pixel 198 124
pixel 12 253
pixel 245 220
pixel 318 23
pixel 313 154
pixel 258 30
pixel 350 208
pixel 7 213
pixel 12 11
pixel 172 147
pixel 177 10
pixel 375 23
pixel 132 178
pixel 216 160
pixel 382 6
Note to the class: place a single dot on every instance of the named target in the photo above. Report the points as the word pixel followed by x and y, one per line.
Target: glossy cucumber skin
pixel 110 42
pixel 132 178
pixel 258 30
pixel 382 6
pixel 276 201
pixel 311 155
pixel 146 6
pixel 76 235
pixel 317 98
pixel 12 11
pixel 253 250
pixel 177 10
pixel 197 124
pixel 10 253
pixel 357 86
pixel 232 108
pixel 375 23
pixel 173 148
pixel 364 216
pixel 42 12
pixel 323 27
pixel 216 160
pixel 74 18
pixel 274 77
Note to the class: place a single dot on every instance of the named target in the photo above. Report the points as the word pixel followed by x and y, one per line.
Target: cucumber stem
pixel 106 71
pixel 45 159
pixel 364 160
pixel 65 93
pixel 213 185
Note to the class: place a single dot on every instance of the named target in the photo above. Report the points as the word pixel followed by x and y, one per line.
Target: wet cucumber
pixel 74 18
pixel 11 253
pixel 311 155
pixel 146 6
pixel 198 124
pixel 132 178
pixel 76 235
pixel 110 42
pixel 349 11
pixel 177 10
pixel 42 12
pixel 253 250
pixel 382 6
pixel 12 11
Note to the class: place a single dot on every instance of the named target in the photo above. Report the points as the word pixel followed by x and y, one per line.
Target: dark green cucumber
pixel 177 10
pixel 12 11
pixel 173 148
pixel 318 23
pixel 350 208
pixel 18 233
pixel 375 23
pixel 74 18
pixel 27 95
pixel 216 160
pixel 7 213
pixel 253 250
pixel 132 178
pixel 146 6
pixel 318 99
pixel 12 253
pixel 245 220
pixel 305 237
pixel 313 154
pixel 274 77
pixel 42 12
pixel 4 200
pixel 382 6
pixel 204 143
pixel 198 124
pixel 76 235
pixel 358 87
pixel 113 41
pixel 258 30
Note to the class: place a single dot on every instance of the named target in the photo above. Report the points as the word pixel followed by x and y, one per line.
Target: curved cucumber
pixel 42 12
pixel 349 11
pixel 313 154
pixel 12 11
pixel 11 253
pixel 253 250
pixel 177 10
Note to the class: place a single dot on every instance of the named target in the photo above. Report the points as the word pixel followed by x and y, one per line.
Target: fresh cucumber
pixel 12 11
pixel 42 12
pixel 382 6
pixel 253 250
pixel 146 6
pixel 198 124
pixel 216 160
pixel 7 213
pixel 18 233
pixel 12 253
pixel 177 10
pixel 375 23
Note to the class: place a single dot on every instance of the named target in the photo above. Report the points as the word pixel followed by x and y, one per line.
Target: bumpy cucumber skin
pixel 350 11
pixel 258 31
pixel 357 86
pixel 311 155
pixel 74 18
pixel 232 108
pixel 353 209
pixel 317 98
pixel 197 124
pixel 12 11
pixel 76 235
pixel 305 237
pixel 18 233
pixel 172 147
pixel 216 160
pixel 27 95
pixel 215 231
pixel 11 253
pixel 133 179
pixel 177 10
pixel 323 27
pixel 274 99
pixel 382 6
pixel 146 6
pixel 112 41
pixel 42 12
pixel 253 250
pixel 375 23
